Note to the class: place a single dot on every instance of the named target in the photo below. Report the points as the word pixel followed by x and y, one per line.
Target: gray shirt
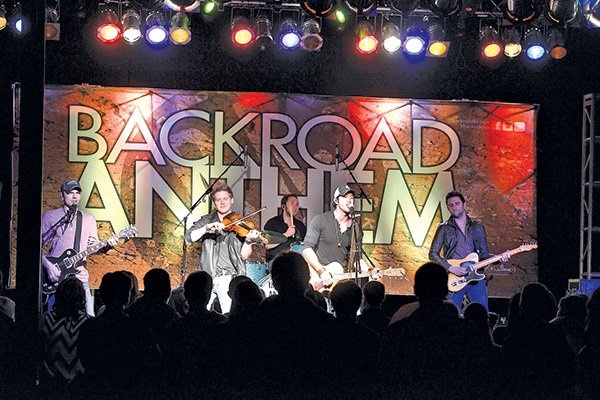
pixel 324 237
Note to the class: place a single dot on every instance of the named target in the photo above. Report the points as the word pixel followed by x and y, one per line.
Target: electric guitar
pixel 70 260
pixel 472 263
pixel 337 272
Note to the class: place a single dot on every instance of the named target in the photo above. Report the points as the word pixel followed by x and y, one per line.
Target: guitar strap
pixel 78 232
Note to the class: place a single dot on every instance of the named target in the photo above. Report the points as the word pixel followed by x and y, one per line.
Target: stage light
pixel 511 38
pixel 437 46
pixel 2 17
pixel 156 32
pixel 340 16
pixel 415 41
pixel 521 10
pixel 489 42
pixel 186 5
pixel 131 23
pixel 52 27
pixel 444 8
pixel 289 35
pixel 391 37
pixel 366 41
pixel 534 44
pixel 311 35
pixel 109 30
pixel 556 44
pixel 180 32
pixel 210 7
pixel 591 10
pixel 361 7
pixel 17 23
pixel 562 12
pixel 241 32
pixel 404 6
pixel 318 8
pixel 262 29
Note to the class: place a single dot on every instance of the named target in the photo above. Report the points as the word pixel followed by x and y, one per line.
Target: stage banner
pixel 144 156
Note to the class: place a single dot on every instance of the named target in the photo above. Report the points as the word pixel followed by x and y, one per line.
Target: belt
pixel 222 272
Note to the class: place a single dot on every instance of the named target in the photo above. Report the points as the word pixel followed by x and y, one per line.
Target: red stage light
pixel 367 42
pixel 367 45
pixel 243 37
pixel 109 33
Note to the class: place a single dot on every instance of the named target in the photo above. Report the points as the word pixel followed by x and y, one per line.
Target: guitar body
pixel 70 260
pixel 472 263
pixel 337 272
pixel 66 266
pixel 457 283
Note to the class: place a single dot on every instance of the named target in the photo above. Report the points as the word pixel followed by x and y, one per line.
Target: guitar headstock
pixel 528 246
pixel 129 232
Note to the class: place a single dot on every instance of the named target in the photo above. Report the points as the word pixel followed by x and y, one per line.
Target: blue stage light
pixel 157 33
pixel 534 44
pixel 536 52
pixel 415 41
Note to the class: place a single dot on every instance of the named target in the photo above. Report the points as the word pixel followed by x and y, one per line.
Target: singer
pixel 329 236
pixel 66 228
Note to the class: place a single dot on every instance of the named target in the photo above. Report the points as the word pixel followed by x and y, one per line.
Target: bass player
pixel 457 238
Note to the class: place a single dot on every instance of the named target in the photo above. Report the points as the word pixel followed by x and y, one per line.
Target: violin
pixel 236 223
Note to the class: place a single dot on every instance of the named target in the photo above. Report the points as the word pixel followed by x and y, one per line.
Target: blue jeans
pixel 477 293
pixel 89 300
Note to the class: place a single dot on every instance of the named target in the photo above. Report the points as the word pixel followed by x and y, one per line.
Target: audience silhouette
pixel 538 358
pixel 120 356
pixel 372 315
pixel 152 309
pixel 289 347
pixel 426 354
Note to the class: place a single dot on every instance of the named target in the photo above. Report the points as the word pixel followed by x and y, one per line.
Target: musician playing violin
pixel 223 251
pixel 287 224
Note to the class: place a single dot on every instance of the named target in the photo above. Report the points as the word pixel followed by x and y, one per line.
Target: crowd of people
pixel 297 344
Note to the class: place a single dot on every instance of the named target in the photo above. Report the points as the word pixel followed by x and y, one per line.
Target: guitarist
pixel 329 235
pixel 458 237
pixel 61 230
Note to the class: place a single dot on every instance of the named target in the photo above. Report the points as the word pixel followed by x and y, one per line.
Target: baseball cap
pixel 342 191
pixel 69 185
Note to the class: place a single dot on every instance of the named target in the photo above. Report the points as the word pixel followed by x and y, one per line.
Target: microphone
pixel 351 212
pixel 337 158
pixel 71 212
pixel 246 157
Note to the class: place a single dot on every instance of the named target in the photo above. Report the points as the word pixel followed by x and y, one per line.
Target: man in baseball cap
pixel 70 184
pixel 342 190
pixel 65 228
pixel 329 237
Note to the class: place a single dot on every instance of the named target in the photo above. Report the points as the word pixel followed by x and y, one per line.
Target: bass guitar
pixel 472 263
pixel 70 260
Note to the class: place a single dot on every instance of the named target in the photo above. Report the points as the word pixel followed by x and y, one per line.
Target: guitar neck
pixel 90 250
pixel 494 259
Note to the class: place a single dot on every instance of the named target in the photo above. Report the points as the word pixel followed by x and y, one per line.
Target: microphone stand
pixel 46 236
pixel 196 203
pixel 355 226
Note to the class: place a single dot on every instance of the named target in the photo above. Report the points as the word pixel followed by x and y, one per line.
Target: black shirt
pixel 277 224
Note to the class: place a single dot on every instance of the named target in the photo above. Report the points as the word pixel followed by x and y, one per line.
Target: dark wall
pixel 209 62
